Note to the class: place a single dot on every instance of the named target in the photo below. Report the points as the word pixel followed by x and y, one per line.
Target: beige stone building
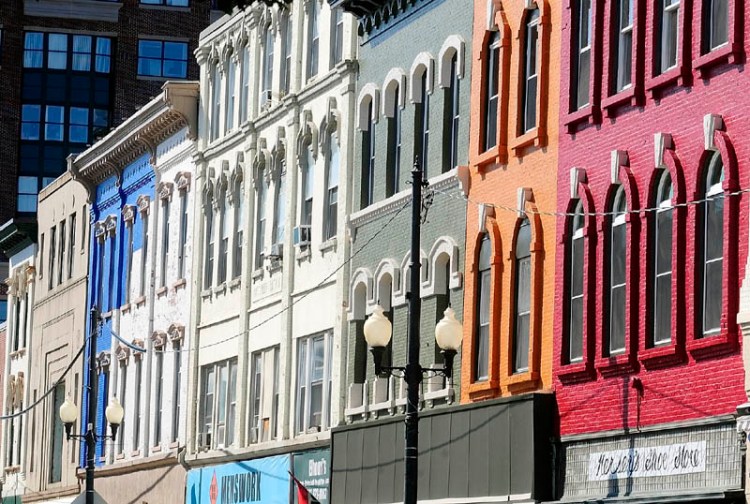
pixel 58 331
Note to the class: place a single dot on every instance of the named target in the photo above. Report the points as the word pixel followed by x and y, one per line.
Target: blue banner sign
pixel 264 480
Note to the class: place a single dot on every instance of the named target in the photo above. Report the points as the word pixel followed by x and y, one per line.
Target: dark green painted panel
pixel 354 477
pixel 387 466
pixel 458 485
pixel 479 450
pixel 500 450
pixel 440 453
pixel 425 457
pixel 340 464
pixel 371 466
pixel 521 447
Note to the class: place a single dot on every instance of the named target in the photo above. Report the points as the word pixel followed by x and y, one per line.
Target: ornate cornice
pixel 175 108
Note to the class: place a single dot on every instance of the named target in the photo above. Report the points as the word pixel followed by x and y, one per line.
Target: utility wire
pixel 51 389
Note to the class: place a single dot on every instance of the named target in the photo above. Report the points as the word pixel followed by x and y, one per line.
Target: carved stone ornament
pixel 10 393
pixel 122 353
pixel 183 181
pixel 176 332
pixel 18 390
pixel 159 339
pixel 110 225
pixel 139 343
pixel 164 190
pixel 30 273
pixel 103 361
pixel 144 204
pixel 99 230
pixel 128 214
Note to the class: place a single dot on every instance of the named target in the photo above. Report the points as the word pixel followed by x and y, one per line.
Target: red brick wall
pixel 692 381
pixel 129 92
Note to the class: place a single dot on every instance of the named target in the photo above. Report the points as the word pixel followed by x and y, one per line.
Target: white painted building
pixel 277 104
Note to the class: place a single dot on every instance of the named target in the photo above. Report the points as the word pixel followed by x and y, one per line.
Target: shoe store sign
pixel 644 462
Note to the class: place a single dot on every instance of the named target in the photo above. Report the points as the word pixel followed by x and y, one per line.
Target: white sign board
pixel 668 460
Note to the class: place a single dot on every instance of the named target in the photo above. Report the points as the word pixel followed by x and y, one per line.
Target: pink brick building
pixel 652 252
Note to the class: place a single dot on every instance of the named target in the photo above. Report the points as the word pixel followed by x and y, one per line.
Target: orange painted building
pixel 510 249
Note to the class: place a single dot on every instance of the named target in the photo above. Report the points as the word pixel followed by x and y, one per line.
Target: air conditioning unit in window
pixel 276 253
pixel 302 236
pixel 266 97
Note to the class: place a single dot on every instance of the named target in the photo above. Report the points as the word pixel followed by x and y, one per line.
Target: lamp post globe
pixel 449 332
pixel 114 412
pixel 378 329
pixel 68 412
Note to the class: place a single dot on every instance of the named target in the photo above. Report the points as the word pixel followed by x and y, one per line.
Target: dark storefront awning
pixel 704 497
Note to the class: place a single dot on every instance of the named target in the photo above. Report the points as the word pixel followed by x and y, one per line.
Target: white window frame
pixel 577 238
pixel 664 203
pixel 714 191
pixel 303 421
pixel 619 219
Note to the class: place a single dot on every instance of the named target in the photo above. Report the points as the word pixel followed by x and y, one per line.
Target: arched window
pixel 576 291
pixel 244 83
pixel 422 126
pixel 224 243
pixel 368 159
pixel 617 261
pixel 216 100
pixel 530 67
pixel 286 34
pixel 522 268
pixel 208 268
pixel 239 216
pixel 260 220
pixel 492 78
pixel 482 334
pixel 713 246
pixel 360 345
pixel 231 94
pixel 451 118
pixel 662 262
pixel 308 176
pixel 332 187
pixel 393 168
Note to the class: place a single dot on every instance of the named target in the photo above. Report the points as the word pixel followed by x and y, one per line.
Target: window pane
pixel 576 329
pixel 712 297
pixel 663 309
pixel 81 53
pixel 53 129
pixel 27 185
pixel 714 228
pixel 617 319
pixel 664 241
pixel 618 254
pixel 33 54
pixel 719 23
pixel 576 285
pixel 30 117
pixel 57 51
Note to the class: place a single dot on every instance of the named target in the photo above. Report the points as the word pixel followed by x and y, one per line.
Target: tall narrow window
pixel 244 83
pixel 71 244
pixel 176 386
pixel 158 394
pixel 231 94
pixel 256 393
pixel 669 29
pixel 208 269
pixel 617 261
pixel 276 387
pixel 260 220
pixel 61 255
pixel 182 253
pixel 216 103
pixel 122 395
pixel 312 395
pixel 138 362
pixel 716 24
pixel 165 206
pixel 662 262
pixel 279 212
pixel 224 242
pixel 530 76
pixel 422 130
pixel 287 40
pixel 393 170
pixel 144 252
pixel 583 56
pixel 484 293
pixel 239 225
pixel 111 291
pixel 337 36
pixel 713 246
pixel 99 272
pixel 313 38
pixel 492 79
pixel 308 178
pixel 332 187
pixel 623 49
pixel 267 75
pixel 521 332
pixel 231 402
pixel 208 385
pixel 56 450
pixel 576 291
pixel 51 259
pixel 451 118
pixel 128 259
pixel 368 160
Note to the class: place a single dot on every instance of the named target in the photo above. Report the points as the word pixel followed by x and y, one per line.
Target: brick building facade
pixel 647 356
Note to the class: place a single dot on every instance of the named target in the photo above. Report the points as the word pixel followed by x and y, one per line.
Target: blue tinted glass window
pixel 30 116
pixel 28 187
pixel 53 123
pixel 3 310
pixel 79 125
pixel 33 54
pixel 57 51
pixel 162 59
pixel 81 53
pixel 103 53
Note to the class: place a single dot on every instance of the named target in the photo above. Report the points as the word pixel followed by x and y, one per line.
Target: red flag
pixel 303 494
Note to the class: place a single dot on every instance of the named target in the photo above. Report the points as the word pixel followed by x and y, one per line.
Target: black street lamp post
pixel 448 335
pixel 113 413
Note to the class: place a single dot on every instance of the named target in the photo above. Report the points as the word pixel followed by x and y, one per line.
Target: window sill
pixel 490 157
pixel 303 254
pixel 661 356
pixel 174 444
pixel 257 274
pixel 221 288
pixel 713 346
pixel 616 365
pixel 573 120
pixel 156 449
pixel 181 283
pixel 233 284
pixel 125 308
pixel 487 389
pixel 535 138
pixel 328 245
pixel 627 97
pixel 206 293
pixel 107 315
pixel 139 301
pixel 730 53
pixel 161 291
pixel 275 265
pixel 575 372
pixel 120 456
pixel 673 77
pixel 135 453
pixel 525 380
